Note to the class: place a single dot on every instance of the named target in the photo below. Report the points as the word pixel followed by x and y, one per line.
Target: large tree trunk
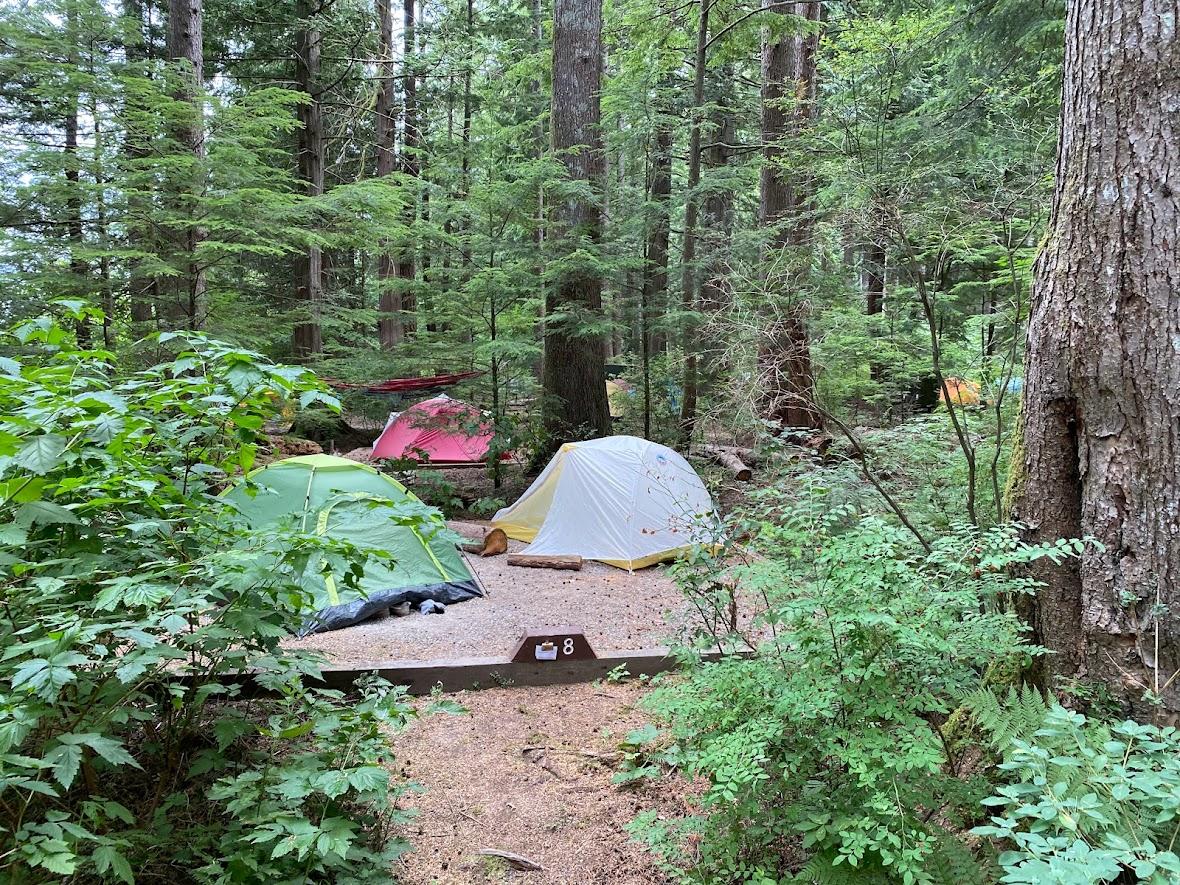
pixel 389 326
pixel 688 254
pixel 307 337
pixel 1101 449
pixel 186 292
pixel 574 371
pixel 788 93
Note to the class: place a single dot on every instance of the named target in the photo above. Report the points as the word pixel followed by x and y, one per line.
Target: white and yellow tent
pixel 620 500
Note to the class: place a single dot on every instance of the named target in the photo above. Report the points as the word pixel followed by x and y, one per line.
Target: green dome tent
pixel 342 499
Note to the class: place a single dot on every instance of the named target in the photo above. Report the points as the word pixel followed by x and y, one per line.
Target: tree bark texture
pixel 185 293
pixel 1101 420
pixel 574 373
pixel 307 337
pixel 788 101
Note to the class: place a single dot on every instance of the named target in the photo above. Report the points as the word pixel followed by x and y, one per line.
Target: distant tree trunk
pixel 788 90
pixel 186 293
pixel 574 371
pixel 1101 446
pixel 653 298
pixel 307 337
pixel 874 274
pixel 411 144
pixel 426 272
pixel 688 272
pixel 142 289
pixel 655 278
pixel 536 14
pixel 74 232
pixel 101 230
pixel 717 213
pixel 389 328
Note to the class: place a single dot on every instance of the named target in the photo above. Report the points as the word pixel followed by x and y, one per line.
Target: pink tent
pixel 441 430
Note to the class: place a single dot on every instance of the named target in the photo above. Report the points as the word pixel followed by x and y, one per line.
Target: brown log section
pixel 729 459
pixel 570 563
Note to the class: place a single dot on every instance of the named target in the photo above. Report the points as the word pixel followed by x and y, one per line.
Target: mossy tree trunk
pixel 1101 425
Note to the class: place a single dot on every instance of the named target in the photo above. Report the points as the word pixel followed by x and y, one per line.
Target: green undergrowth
pixel 131 594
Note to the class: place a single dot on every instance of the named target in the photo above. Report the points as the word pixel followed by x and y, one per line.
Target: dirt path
pixel 554 804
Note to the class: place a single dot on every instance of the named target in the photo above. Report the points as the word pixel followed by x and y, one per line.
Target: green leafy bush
pixel 130 593
pixel 1090 802
pixel 823 751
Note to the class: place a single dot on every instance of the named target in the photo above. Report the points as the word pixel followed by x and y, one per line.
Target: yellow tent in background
pixel 620 500
pixel 962 392
pixel 617 391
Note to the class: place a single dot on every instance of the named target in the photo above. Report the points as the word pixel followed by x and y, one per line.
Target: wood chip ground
pixel 528 771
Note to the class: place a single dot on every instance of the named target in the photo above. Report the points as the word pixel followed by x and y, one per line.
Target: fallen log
pixel 572 563
pixel 727 459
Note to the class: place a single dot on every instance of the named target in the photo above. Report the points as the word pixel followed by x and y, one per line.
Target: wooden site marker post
pixel 553 644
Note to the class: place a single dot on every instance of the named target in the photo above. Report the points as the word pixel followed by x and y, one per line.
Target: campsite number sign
pixel 553 644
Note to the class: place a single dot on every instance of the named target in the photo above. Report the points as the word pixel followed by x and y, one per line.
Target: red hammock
pixel 404 385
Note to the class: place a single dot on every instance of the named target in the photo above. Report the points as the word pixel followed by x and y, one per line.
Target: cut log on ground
pixel 516 861
pixel 572 563
pixel 727 459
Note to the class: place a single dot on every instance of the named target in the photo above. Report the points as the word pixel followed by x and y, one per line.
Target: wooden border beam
pixel 465 674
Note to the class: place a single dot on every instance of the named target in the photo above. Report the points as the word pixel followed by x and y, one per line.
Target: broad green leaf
pixel 41 453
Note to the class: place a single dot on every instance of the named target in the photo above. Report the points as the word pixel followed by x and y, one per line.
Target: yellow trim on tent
pixel 529 514
pixel 645 561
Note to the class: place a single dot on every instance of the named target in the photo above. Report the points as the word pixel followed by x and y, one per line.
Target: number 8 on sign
pixel 567 647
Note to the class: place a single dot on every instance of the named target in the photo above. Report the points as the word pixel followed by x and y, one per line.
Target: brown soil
pixel 617 610
pixel 529 771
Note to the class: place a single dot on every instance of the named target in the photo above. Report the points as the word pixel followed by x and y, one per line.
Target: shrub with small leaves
pixel 822 751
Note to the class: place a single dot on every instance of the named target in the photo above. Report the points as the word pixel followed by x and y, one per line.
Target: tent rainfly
pixel 338 498
pixel 441 430
pixel 620 500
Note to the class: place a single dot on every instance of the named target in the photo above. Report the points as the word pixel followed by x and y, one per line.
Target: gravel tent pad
pixel 618 610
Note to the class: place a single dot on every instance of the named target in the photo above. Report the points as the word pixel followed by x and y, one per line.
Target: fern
pixel 956 864
pixel 952 863
pixel 1017 715
pixel 823 870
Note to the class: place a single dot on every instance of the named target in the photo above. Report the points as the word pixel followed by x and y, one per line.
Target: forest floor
pixel 617 610
pixel 528 770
